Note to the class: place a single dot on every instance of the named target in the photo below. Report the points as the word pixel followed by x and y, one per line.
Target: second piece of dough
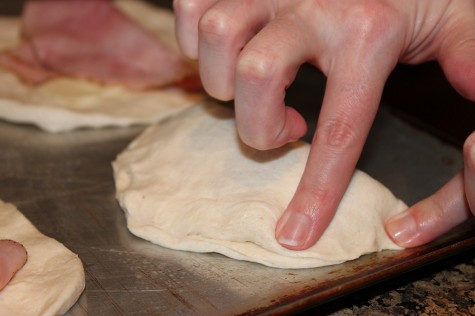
pixel 53 277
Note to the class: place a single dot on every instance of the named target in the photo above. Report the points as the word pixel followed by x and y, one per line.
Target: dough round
pixel 191 184
pixel 66 104
pixel 51 280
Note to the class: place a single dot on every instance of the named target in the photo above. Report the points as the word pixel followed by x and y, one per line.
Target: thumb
pixel 12 257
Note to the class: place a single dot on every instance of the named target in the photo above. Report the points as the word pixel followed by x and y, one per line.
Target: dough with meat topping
pixel 65 104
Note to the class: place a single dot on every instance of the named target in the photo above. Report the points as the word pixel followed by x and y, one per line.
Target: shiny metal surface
pixel 64 185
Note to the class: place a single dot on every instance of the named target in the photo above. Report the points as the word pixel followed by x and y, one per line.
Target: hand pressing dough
pixel 190 184
pixel 51 280
pixel 65 104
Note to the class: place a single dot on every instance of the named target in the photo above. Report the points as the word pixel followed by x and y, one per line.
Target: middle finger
pixel 223 31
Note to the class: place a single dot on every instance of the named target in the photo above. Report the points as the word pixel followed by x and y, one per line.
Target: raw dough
pixel 65 104
pixel 51 280
pixel 190 184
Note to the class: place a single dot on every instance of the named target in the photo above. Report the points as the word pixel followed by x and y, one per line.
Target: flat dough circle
pixel 65 104
pixel 190 184
pixel 52 279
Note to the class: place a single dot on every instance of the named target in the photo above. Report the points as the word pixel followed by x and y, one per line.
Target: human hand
pixel 12 258
pixel 251 51
pixel 453 204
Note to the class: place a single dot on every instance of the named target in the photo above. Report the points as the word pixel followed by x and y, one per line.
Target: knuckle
pixel 372 20
pixel 256 66
pixel 431 217
pixel 216 26
pixel 337 135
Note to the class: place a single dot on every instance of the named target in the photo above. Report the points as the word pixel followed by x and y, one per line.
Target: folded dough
pixel 65 104
pixel 190 184
pixel 51 280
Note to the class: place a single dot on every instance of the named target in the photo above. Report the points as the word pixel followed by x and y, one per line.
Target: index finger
pixel 351 101
pixel 356 76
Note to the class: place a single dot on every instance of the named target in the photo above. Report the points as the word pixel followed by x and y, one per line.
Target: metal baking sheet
pixel 63 183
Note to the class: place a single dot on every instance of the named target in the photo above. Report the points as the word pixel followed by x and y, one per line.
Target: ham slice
pixel 93 40
pixel 22 61
pixel 12 258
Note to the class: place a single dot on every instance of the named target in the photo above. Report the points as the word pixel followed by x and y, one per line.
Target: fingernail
pixel 402 228
pixel 294 229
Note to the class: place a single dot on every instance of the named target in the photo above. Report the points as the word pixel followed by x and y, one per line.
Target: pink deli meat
pixel 92 40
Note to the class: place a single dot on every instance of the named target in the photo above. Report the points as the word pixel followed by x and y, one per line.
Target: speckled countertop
pixel 443 288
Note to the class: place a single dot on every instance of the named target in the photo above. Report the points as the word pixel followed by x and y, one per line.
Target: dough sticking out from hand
pixel 191 184
pixel 12 258
pixel 51 280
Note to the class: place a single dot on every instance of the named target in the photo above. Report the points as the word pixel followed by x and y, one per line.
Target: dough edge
pixel 52 279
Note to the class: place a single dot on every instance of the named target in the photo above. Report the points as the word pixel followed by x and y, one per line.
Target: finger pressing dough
pixel 191 184
pixel 51 280
pixel 64 104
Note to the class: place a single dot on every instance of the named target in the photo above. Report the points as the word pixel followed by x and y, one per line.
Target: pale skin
pixel 251 50
pixel 12 258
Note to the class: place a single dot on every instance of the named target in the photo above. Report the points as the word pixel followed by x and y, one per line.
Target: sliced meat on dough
pixel 95 40
pixel 12 258
pixel 65 103
pixel 23 62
